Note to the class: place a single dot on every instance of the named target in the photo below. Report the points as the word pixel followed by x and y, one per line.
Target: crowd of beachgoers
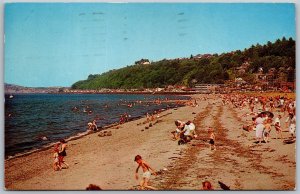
pixel 123 118
pixel 270 116
pixel 268 113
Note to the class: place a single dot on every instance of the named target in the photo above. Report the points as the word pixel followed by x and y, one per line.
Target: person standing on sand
pixel 278 127
pixel 148 117
pixel 146 172
pixel 259 121
pixel 281 104
pixel 272 106
pixel 267 129
pixel 56 163
pixel 62 152
pixel 212 138
pixel 292 124
pixel 251 106
pixel 263 104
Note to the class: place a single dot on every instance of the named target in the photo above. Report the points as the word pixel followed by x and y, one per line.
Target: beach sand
pixel 109 161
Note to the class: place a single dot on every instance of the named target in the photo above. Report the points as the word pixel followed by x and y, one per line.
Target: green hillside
pixel 215 68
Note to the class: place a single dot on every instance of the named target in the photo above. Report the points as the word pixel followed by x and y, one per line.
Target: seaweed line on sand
pixel 173 178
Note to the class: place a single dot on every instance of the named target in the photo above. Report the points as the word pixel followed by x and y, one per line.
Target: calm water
pixel 31 116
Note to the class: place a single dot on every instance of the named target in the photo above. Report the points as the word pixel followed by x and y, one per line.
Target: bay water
pixel 33 121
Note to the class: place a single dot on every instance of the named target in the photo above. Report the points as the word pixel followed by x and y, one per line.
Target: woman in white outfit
pixel 259 121
pixel 292 124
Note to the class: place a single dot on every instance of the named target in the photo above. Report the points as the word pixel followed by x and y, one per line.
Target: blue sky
pixel 57 44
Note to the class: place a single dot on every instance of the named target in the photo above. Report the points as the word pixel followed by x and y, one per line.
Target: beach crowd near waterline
pixel 238 102
pixel 35 121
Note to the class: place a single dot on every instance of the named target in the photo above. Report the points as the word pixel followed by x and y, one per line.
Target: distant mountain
pixel 277 57
pixel 13 89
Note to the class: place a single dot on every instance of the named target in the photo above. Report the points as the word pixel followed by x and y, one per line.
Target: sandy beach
pixel 109 161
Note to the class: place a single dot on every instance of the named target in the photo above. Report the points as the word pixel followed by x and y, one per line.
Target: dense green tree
pixel 216 68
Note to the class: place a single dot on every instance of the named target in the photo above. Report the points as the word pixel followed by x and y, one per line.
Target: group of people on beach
pixel 59 155
pixel 92 126
pixel 125 117
pixel 185 131
pixel 150 117
pixel 263 108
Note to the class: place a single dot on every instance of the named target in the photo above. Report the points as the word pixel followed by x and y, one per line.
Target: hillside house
pixel 142 62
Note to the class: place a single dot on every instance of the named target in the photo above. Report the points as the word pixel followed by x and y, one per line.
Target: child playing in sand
pixel 56 163
pixel 211 139
pixel 178 130
pixel 146 175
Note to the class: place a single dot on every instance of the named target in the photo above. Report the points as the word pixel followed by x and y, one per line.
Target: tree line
pixel 216 68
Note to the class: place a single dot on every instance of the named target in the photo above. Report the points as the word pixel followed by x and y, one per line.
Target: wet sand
pixel 108 161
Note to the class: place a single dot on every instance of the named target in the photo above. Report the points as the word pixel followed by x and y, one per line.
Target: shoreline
pixel 41 157
pixel 127 93
pixel 184 93
pixel 108 161
pixel 48 146
pixel 84 133
pixel 78 136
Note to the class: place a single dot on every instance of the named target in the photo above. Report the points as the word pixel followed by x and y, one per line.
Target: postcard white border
pixel 2 189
